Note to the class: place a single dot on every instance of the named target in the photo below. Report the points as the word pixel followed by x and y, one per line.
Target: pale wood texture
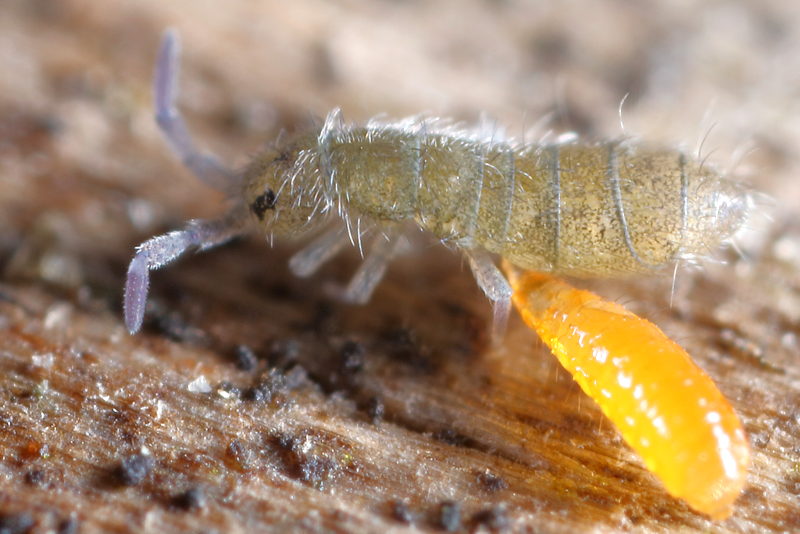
pixel 387 416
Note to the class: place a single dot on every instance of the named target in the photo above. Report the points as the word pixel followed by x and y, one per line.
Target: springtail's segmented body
pixel 601 210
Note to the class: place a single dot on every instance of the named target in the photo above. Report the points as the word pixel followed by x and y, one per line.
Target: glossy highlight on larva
pixel 583 209
pixel 666 408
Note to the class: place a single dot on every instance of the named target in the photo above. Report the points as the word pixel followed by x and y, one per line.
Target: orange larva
pixel 583 209
pixel 666 408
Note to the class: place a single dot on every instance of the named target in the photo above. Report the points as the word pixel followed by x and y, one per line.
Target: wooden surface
pixel 395 415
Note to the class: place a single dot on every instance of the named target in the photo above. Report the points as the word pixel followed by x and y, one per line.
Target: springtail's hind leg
pixel 495 286
pixel 306 262
pixel 161 250
pixel 371 271
pixel 165 88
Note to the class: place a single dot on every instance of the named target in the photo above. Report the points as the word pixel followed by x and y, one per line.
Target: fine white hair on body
pixel 585 209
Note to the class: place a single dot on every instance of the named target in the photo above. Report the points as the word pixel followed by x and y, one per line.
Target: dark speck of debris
pixel 352 357
pixel 237 455
pixel 494 518
pixel 245 358
pixel 191 499
pixel 257 394
pixel 16 523
pixel 284 352
pixel 401 512
pixel 323 318
pixel 296 377
pixel 68 526
pixel 376 410
pixel 451 437
pixel 303 464
pixel 474 337
pixel 401 342
pixel 316 469
pixel 286 441
pixel 173 325
pixel 449 516
pixel 401 345
pixel 134 469
pixel 35 477
pixel 491 482
pixel 274 382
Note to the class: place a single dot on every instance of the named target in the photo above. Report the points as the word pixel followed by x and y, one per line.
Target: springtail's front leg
pixel 163 249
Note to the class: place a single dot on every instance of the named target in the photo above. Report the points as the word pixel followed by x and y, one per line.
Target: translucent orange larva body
pixel 666 408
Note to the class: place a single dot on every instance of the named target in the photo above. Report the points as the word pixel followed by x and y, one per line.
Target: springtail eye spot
pixel 264 202
pixel 666 408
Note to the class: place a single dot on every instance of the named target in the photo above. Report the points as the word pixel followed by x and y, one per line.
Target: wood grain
pixel 395 415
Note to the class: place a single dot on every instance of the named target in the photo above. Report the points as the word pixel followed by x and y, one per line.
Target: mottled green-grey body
pixel 579 209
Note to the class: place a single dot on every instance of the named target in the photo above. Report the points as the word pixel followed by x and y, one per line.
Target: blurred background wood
pixel 394 415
